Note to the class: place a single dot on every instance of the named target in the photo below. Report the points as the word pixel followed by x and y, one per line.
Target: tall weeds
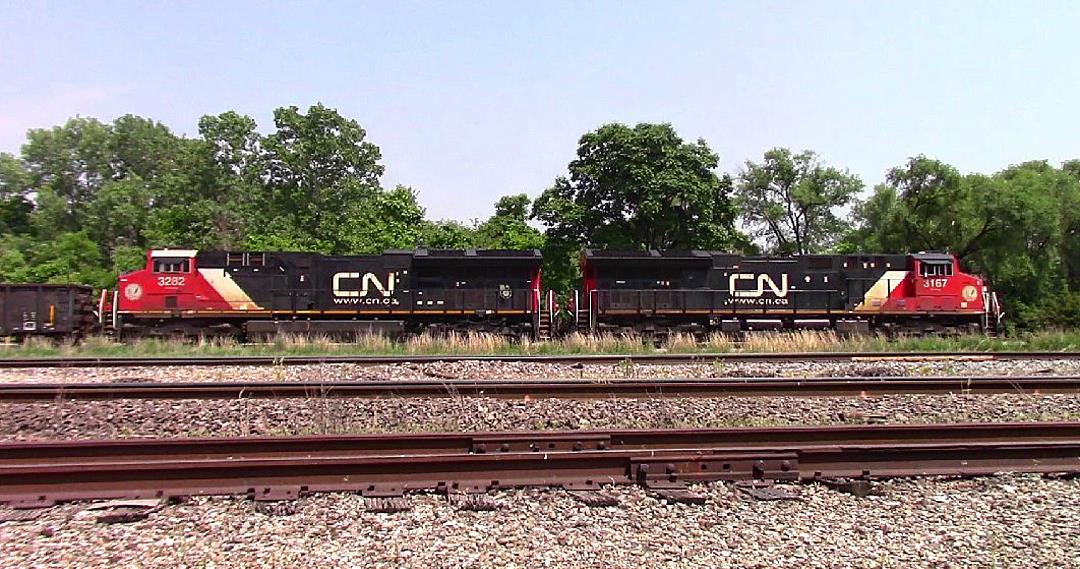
pixel 493 344
pixel 797 341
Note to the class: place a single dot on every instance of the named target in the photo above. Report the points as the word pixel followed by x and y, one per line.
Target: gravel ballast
pixel 477 370
pixel 1006 521
pixel 280 417
pixel 64 419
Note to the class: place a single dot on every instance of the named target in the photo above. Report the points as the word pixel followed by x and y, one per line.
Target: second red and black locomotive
pixel 658 292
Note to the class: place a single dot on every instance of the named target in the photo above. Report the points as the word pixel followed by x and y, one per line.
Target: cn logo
pixel 762 281
pixel 367 282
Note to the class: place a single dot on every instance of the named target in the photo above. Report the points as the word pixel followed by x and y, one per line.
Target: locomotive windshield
pixel 936 269
pixel 171 265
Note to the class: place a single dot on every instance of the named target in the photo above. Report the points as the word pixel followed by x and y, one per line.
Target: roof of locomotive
pixel 707 254
pixel 523 254
pixel 650 254
pixel 933 256
pixel 466 253
pixel 650 258
pixel 698 259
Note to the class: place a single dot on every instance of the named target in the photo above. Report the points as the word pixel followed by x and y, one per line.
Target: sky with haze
pixel 473 100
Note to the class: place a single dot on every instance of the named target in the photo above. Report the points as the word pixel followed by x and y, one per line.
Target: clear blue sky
pixel 470 101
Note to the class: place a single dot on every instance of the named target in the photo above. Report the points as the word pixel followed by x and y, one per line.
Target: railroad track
pixel 386 466
pixel 540 389
pixel 558 359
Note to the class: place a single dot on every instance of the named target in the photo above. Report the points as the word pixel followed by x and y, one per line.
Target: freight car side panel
pixel 44 309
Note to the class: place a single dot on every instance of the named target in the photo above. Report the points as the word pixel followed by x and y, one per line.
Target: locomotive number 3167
pixel 170 281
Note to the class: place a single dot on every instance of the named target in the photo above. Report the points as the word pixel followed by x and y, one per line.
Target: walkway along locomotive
pixel 653 293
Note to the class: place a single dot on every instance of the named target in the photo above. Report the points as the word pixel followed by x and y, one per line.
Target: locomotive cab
pixel 940 285
pixel 932 273
pixel 170 271
pixel 163 284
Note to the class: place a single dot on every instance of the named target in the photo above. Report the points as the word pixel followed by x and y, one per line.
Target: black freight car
pixel 56 310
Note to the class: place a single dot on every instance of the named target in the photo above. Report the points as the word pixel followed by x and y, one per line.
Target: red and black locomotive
pixel 256 294
pixel 657 292
pixel 185 292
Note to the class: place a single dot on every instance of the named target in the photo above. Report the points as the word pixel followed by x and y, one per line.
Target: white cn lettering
pixel 366 282
pixel 762 281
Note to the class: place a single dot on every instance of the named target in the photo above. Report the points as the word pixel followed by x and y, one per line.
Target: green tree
pixel 509 227
pixel 562 265
pixel 321 172
pixel 15 208
pixel 1025 251
pixel 213 197
pixel 95 183
pixel 69 258
pixel 118 213
pixel 791 200
pixel 389 220
pixel 141 147
pixel 14 264
pixel 640 187
pixel 447 234
pixel 877 227
pixel 1071 225
pixel 930 192
pixel 127 258
pixel 924 205
pixel 67 165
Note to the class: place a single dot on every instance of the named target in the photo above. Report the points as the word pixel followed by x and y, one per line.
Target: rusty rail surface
pixel 547 389
pixel 19 362
pixel 42 473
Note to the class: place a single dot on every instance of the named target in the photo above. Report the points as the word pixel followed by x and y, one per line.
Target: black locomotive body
pixel 184 292
pixel 700 291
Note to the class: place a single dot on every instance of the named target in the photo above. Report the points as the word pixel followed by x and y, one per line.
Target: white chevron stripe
pixel 228 289
pixel 877 295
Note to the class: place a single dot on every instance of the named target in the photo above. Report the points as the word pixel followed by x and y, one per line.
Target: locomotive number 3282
pixel 170 281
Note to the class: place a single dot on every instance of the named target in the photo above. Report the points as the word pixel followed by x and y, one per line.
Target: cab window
pixel 936 269
pixel 166 265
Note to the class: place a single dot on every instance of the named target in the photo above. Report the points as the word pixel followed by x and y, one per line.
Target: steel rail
pixel 123 450
pixel 547 389
pixel 18 362
pixel 377 465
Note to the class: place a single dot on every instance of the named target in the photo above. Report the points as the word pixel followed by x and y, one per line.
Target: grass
pixel 488 344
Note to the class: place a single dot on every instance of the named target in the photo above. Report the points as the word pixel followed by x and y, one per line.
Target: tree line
pixel 84 200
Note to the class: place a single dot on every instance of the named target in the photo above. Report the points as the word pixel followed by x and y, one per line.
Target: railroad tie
pixel 387 504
